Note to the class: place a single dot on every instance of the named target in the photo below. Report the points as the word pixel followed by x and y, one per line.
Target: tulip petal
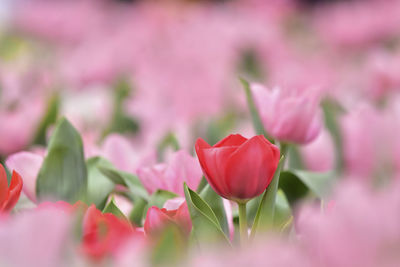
pixel 214 162
pixel 251 167
pixel 14 191
pixel 28 165
pixel 231 140
pixel 3 185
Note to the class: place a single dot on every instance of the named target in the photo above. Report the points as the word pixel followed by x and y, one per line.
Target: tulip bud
pixel 157 219
pixel 289 115
pixel 238 168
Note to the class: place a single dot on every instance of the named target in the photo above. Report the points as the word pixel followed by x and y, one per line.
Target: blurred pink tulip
pixel 15 130
pixel 170 176
pixel 125 155
pixel 319 155
pixel 289 115
pixel 28 165
pixel 157 219
pixel 361 229
pixel 36 238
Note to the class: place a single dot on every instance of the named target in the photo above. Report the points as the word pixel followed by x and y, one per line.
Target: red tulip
pixel 157 219
pixel 9 195
pixel 104 233
pixel 238 168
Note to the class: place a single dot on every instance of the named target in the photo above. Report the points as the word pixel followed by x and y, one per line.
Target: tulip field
pixel 199 133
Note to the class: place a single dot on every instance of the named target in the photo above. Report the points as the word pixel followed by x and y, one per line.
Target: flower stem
pixel 243 223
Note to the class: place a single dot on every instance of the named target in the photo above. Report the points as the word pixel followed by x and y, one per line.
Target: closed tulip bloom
pixel 238 168
pixel 288 115
pixel 157 219
pixel 104 233
pixel 9 195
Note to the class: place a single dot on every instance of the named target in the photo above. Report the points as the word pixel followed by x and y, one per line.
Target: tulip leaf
pixel 293 187
pixel 113 209
pixel 50 117
pixel 120 122
pixel 319 183
pixel 206 226
pixel 63 175
pixel 265 213
pixel 255 116
pixel 138 211
pixel 169 248
pixel 295 160
pixel 126 179
pixel 203 183
pixel 332 110
pixel 283 212
pixel 99 186
pixel 217 205
pixel 159 198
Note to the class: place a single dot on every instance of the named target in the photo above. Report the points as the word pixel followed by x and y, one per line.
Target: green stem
pixel 266 209
pixel 243 223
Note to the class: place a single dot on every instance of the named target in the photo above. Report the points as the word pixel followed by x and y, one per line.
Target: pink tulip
pixel 124 155
pixel 28 165
pixel 170 176
pixel 289 115
pixel 319 155
pixel 361 229
pixel 157 219
pixel 36 238
pixel 13 138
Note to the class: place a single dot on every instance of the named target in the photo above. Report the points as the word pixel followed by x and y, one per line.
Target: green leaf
pixel 295 160
pixel 265 213
pixel 169 140
pixel 206 226
pixel 320 183
pixel 332 110
pixel 49 119
pixel 113 209
pixel 216 204
pixel 255 116
pixel 170 248
pixel 99 186
pixel 203 183
pixel 63 175
pixel 131 181
pixel 159 198
pixel 293 187
pixel 138 211
pixel 120 122
pixel 283 212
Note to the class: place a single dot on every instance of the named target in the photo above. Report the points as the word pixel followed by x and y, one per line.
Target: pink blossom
pixel 360 230
pixel 319 155
pixel 170 176
pixel 289 115
pixel 125 155
pixel 15 130
pixel 28 165
pixel 25 237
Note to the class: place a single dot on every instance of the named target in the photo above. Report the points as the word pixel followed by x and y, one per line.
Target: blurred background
pixel 161 73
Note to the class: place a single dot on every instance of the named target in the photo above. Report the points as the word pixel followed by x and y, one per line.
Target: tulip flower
pixel 28 165
pixel 289 115
pixel 9 195
pixel 170 176
pixel 104 233
pixel 157 219
pixel 238 168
